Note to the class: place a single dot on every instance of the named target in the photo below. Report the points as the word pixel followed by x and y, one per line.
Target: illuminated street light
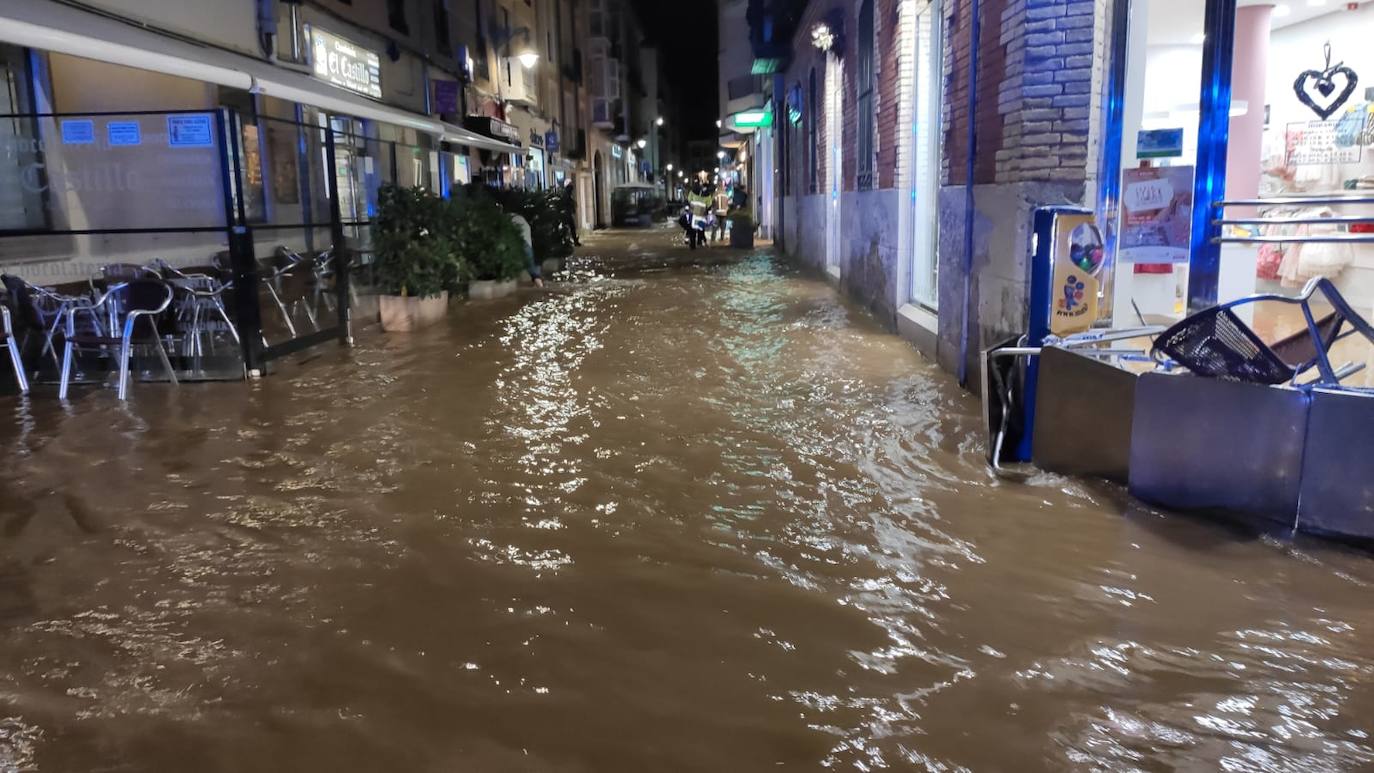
pixel 641 143
pixel 528 57
pixel 720 154
pixel 670 167
pixel 659 121
pixel 717 123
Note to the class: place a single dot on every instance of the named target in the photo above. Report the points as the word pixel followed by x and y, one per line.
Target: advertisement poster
pixel 1078 258
pixel 1316 143
pixel 1156 215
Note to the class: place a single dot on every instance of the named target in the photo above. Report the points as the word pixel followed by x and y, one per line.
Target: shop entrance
pixel 1247 158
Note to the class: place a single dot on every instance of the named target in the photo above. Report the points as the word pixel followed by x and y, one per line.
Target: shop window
pixel 864 96
pixel 443 40
pixel 250 148
pixel 23 204
pixel 396 16
pixel 812 117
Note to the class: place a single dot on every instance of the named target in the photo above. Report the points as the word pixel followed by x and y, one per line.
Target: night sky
pixel 685 32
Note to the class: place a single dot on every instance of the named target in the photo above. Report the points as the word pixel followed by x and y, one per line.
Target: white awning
pixel 472 139
pixel 51 26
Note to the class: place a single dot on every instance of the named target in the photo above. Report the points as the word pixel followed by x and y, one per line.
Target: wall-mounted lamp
pixel 641 142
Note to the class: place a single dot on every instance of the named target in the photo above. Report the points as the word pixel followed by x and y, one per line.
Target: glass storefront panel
pixel 929 71
pixel 1159 149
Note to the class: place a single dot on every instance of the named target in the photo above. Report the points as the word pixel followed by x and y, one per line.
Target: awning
pixel 474 140
pixel 51 26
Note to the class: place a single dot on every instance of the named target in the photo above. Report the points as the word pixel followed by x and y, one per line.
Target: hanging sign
pixel 344 64
pixel 1078 259
pixel 445 96
pixel 1326 91
pixel 551 140
pixel 1156 214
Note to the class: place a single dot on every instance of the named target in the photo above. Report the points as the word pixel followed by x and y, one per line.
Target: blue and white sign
pixel 1159 143
pixel 123 133
pixel 78 132
pixel 616 151
pixel 190 131
pixel 551 140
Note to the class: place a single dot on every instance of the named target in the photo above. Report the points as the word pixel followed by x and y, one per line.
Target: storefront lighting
pixel 528 58
pixel 753 118
pixel 822 37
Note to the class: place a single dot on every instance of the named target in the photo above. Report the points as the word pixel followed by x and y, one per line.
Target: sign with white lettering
pixel 1156 214
pixel 190 130
pixel 345 64
pixel 78 132
pixel 123 133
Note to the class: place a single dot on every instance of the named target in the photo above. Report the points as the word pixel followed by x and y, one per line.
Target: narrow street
pixel 678 511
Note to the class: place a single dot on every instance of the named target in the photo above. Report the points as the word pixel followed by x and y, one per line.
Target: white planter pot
pixel 486 289
pixel 404 313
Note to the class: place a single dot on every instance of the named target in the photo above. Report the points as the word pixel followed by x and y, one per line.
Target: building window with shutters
pixel 864 101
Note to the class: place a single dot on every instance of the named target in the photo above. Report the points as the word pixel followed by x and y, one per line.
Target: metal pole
pixel 243 261
pixel 1214 126
pixel 343 255
pixel 966 325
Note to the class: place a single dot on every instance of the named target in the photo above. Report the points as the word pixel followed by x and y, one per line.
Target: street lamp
pixel 670 167
pixel 720 154
pixel 717 123
pixel 528 58
pixel 641 142
pixel 658 121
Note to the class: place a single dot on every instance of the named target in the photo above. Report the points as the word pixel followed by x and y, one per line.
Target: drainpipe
pixel 779 115
pixel 968 189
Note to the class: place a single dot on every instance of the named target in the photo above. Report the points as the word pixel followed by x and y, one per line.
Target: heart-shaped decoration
pixel 1324 83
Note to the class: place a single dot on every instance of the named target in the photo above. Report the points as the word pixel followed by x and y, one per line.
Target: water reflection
pixel 698 516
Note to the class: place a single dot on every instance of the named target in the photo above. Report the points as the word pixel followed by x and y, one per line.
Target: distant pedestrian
pixel 570 211
pixel 527 239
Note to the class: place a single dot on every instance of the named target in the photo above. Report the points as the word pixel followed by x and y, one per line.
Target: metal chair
pixel 13 347
pixel 292 281
pixel 41 309
pixel 139 302
pixel 199 298
pixel 1216 343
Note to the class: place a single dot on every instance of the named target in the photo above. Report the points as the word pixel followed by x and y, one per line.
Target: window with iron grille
pixel 864 102
pixel 442 39
pixel 396 16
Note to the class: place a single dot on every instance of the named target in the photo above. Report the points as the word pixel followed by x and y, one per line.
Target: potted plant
pixel 490 244
pixel 549 232
pixel 415 259
pixel 742 228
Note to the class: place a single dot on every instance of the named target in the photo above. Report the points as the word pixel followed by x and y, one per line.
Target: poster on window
pixel 1156 214
pixel 281 152
pixel 1312 143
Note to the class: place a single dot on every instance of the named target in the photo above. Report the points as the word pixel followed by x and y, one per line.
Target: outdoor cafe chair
pixel 291 281
pixel 139 305
pixel 40 310
pixel 13 347
pixel 1217 343
pixel 199 299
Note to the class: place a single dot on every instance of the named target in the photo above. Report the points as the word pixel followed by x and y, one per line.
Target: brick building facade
pixel 1040 81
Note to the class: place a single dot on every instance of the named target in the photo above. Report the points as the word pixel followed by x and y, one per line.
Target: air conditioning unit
pixel 521 87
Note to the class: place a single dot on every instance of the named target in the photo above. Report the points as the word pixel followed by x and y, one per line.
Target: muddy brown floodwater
pixel 665 516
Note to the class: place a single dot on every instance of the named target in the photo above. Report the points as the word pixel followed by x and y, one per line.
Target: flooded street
pixel 667 515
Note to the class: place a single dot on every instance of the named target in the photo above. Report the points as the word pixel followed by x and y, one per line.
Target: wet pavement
pixel 681 511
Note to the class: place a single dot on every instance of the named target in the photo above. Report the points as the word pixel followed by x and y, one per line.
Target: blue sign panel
pixel 1159 143
pixel 124 133
pixel 551 141
pixel 190 131
pixel 78 132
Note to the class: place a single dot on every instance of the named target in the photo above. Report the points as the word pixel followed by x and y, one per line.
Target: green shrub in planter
pixel 543 210
pixel 411 238
pixel 489 243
